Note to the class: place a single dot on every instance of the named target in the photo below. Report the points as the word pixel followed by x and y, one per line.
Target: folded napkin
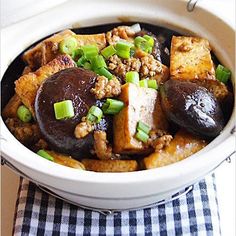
pixel 196 213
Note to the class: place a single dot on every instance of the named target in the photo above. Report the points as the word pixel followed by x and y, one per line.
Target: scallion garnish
pixel 142 136
pixel 149 39
pixel 68 45
pixel 132 77
pixel 108 51
pixel 103 71
pixel 143 83
pixel 222 74
pixel 138 41
pixel 98 62
pixel 63 109
pixel 112 106
pixel 123 49
pixel 87 66
pixel 143 127
pixel 45 155
pixel 24 113
pixel 90 51
pixel 94 114
pixel 81 61
pixel 152 83
pixel 123 45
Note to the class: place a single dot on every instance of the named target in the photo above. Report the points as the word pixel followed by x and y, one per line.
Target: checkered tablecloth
pixel 196 213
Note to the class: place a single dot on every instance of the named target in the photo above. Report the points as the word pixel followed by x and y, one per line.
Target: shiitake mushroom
pixel 70 84
pixel 192 107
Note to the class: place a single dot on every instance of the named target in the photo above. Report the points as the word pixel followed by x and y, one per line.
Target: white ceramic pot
pixel 121 190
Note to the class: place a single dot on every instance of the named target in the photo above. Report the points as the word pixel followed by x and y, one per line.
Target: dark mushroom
pixel 73 84
pixel 192 107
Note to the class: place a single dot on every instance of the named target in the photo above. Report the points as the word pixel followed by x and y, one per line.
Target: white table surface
pixel 225 174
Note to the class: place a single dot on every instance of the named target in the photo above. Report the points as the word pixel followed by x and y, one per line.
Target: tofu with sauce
pixel 27 85
pixel 190 59
pixel 48 49
pixel 141 104
pixel 182 146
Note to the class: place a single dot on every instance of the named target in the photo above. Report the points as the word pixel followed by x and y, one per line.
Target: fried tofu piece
pixel 48 49
pixel 110 165
pixel 10 110
pixel 141 104
pixel 66 160
pixel 190 58
pixel 26 133
pixel 182 146
pixel 27 85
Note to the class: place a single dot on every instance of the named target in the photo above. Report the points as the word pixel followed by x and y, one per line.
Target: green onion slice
pixel 68 45
pixel 108 51
pixel 112 106
pixel 77 53
pixel 103 71
pixel 90 51
pixel 24 114
pixel 132 77
pixel 143 127
pixel 123 54
pixel 94 114
pixel 45 155
pixel 87 66
pixel 143 83
pixel 138 41
pixel 98 62
pixel 149 39
pixel 152 83
pixel 123 46
pixel 142 136
pixel 81 61
pixel 222 74
pixel 63 109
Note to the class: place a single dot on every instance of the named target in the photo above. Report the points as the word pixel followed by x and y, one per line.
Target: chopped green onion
pixel 81 61
pixel 103 71
pixel 136 28
pixel 98 62
pixel 132 77
pixel 149 39
pixel 123 46
pixel 24 113
pixel 87 66
pixel 63 109
pixel 94 112
pixel 142 136
pixel 90 51
pixel 68 45
pixel 77 53
pixel 143 127
pixel 108 51
pixel 123 54
pixel 222 74
pixel 138 41
pixel 45 155
pixel 143 83
pixel 152 83
pixel 112 106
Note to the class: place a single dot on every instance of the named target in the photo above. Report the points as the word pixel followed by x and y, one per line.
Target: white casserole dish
pixel 120 190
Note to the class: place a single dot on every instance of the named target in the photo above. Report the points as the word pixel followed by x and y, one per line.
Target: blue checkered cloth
pixel 196 213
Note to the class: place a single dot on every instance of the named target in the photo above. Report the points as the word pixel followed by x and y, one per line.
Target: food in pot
pixel 125 99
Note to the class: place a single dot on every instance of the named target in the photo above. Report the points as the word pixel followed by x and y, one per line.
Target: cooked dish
pixel 121 98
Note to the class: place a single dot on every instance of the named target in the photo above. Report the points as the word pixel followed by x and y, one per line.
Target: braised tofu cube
pixel 48 49
pixel 141 104
pixel 182 146
pixel 27 85
pixel 190 58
